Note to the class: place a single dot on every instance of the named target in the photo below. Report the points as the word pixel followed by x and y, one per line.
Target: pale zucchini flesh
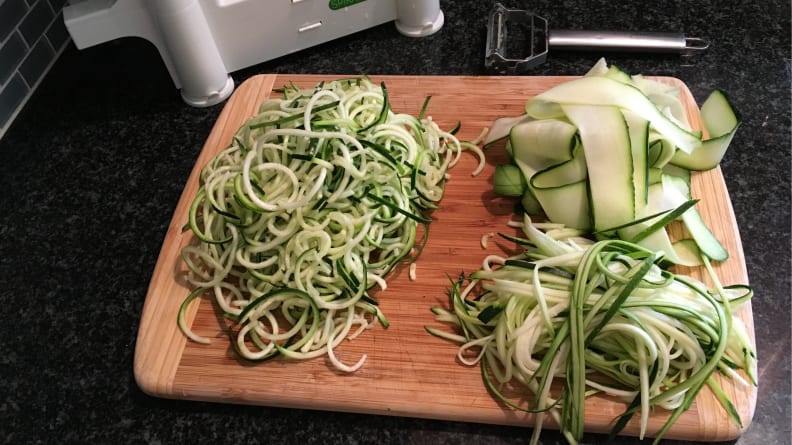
pixel 563 192
pixel 677 191
pixel 606 144
pixel 600 90
pixel 539 144
pixel 659 240
pixel 501 128
pixel 718 115
pixel 638 129
pixel 721 122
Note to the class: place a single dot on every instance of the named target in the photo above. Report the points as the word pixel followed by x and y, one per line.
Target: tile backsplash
pixel 32 36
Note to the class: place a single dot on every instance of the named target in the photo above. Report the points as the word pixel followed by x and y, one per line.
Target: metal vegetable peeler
pixel 517 31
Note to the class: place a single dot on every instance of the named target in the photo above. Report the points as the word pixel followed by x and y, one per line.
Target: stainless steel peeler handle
pixel 655 42
pixel 518 40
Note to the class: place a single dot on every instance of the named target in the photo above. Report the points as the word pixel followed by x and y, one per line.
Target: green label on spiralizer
pixel 339 4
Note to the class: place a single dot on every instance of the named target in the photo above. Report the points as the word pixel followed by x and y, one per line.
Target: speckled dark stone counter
pixel 92 169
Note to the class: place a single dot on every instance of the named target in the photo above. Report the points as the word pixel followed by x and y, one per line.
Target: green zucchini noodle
pixel 602 317
pixel 315 201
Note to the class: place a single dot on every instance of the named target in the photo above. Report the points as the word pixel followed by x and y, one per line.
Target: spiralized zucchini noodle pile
pixel 597 317
pixel 319 196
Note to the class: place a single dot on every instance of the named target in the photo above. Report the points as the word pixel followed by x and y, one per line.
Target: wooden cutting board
pixel 408 372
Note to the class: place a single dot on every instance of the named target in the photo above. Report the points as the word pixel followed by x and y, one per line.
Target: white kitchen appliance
pixel 202 41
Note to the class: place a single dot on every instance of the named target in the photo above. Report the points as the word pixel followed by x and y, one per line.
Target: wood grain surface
pixel 407 372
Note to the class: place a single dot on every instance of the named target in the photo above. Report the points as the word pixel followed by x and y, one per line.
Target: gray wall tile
pixel 36 62
pixel 11 13
pixel 11 98
pixel 57 5
pixel 57 34
pixel 36 22
pixel 11 53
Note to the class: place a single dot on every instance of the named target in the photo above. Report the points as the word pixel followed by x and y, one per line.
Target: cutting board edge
pixel 511 418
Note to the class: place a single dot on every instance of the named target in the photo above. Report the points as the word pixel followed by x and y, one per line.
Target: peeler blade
pixel 516 39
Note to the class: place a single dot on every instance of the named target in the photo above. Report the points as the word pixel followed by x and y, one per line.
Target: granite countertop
pixel 92 169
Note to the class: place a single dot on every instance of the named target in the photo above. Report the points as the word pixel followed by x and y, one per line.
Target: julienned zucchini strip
pixel 604 317
pixel 318 197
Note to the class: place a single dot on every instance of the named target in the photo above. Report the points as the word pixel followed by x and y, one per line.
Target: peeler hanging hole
pixel 696 43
